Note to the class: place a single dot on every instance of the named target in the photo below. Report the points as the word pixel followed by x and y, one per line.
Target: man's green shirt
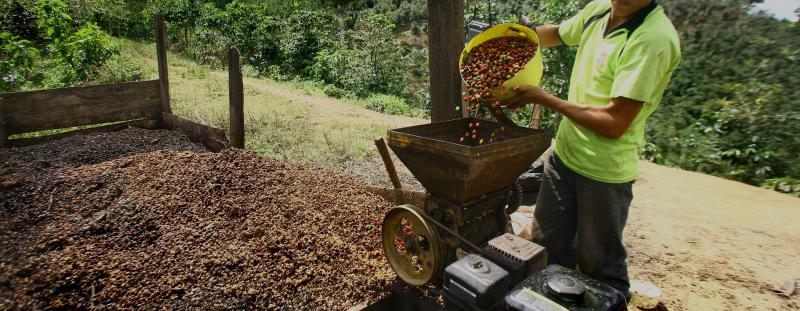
pixel 636 61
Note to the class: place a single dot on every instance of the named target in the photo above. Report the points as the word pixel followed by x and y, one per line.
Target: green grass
pixel 275 126
pixel 59 131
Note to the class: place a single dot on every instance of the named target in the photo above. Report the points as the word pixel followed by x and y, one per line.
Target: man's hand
pixel 524 95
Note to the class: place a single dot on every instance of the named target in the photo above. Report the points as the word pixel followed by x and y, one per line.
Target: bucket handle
pixel 519 31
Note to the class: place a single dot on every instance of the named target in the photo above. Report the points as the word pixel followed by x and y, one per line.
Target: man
pixel 627 51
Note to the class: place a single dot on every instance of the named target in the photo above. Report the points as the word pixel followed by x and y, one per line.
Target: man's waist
pixel 611 165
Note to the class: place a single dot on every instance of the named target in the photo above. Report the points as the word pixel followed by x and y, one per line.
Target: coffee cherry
pixel 490 65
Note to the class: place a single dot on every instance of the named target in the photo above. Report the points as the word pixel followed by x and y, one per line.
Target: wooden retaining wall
pixel 123 104
pixel 143 104
pixel 61 108
pixel 25 112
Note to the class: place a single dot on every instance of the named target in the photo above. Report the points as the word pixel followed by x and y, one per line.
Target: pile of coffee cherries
pixel 485 69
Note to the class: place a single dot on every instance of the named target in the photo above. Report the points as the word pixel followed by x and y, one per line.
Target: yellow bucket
pixel 531 73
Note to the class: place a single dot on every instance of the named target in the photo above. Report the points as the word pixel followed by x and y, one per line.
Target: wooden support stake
pixel 236 95
pixel 536 117
pixel 446 40
pixel 387 161
pixel 3 132
pixel 163 70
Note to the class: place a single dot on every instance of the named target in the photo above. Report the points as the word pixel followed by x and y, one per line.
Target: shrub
pixel 17 58
pixel 785 184
pixel 19 18
pixel 209 46
pixel 389 104
pixel 334 91
pixel 274 72
pixel 85 51
pixel 121 68
pixel 303 35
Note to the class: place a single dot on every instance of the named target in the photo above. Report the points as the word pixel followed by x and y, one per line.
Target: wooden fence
pixel 144 104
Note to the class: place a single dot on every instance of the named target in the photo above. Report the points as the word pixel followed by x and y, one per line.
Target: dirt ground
pixel 708 243
pixel 711 243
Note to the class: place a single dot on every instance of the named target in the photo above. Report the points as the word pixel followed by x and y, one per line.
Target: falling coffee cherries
pixel 485 69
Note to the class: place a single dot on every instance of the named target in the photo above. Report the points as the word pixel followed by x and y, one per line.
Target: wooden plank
pixel 163 67
pixel 85 115
pixel 236 97
pixel 212 138
pixel 143 123
pixel 67 107
pixel 387 162
pixel 446 40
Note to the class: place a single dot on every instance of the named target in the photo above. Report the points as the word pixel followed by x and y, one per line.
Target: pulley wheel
pixel 412 245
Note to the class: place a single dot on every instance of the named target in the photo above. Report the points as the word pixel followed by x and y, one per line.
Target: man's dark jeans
pixel 580 222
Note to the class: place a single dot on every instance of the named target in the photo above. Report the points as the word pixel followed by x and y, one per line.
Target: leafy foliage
pixel 732 108
pixel 365 62
pixel 17 58
pixel 84 51
pixel 62 54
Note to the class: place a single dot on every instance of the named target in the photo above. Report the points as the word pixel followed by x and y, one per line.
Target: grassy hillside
pixel 292 121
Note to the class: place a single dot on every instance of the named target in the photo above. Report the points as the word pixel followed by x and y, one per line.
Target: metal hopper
pixel 460 173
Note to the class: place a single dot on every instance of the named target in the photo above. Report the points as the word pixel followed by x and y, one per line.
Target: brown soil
pixel 711 243
pixel 186 230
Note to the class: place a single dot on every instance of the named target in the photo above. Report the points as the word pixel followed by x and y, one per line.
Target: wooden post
pixel 3 132
pixel 236 96
pixel 446 40
pixel 387 161
pixel 163 70
pixel 536 116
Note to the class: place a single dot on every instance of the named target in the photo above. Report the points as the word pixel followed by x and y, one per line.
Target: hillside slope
pixel 712 243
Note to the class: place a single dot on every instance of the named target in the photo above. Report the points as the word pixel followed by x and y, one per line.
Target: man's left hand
pixel 524 95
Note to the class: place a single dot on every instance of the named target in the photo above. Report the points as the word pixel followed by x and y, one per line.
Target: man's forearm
pixel 598 119
pixel 548 36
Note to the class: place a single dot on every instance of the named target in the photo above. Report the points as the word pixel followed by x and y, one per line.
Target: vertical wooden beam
pixel 236 96
pixel 3 132
pixel 536 116
pixel 445 41
pixel 163 70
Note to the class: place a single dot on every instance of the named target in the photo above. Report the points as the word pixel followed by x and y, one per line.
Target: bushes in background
pixel 61 52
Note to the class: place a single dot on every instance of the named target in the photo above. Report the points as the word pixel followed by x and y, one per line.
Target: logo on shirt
pixel 606 49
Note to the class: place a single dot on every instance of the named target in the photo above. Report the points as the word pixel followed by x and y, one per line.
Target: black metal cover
pixel 460 173
pixel 475 283
pixel 519 256
pixel 537 292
